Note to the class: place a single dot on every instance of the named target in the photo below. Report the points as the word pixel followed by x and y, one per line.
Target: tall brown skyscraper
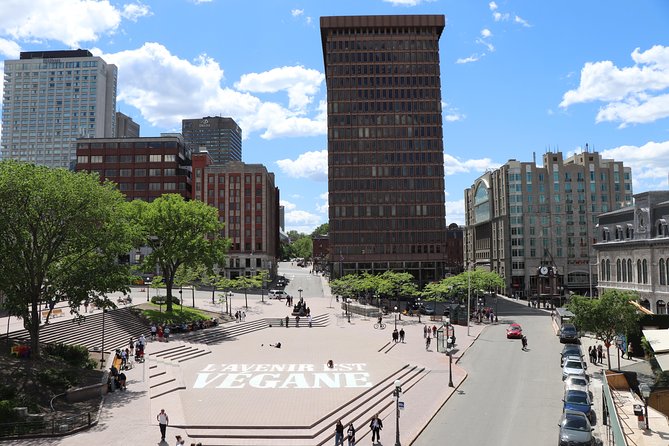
pixel 385 148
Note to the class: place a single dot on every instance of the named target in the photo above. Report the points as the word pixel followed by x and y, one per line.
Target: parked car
pixel 575 429
pixel 573 358
pixel 277 294
pixel 426 310
pixel 514 331
pixel 576 382
pixel 569 334
pixel 579 401
pixel 574 367
pixel 568 350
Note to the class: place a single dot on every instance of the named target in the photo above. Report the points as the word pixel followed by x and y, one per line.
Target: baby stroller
pixel 139 353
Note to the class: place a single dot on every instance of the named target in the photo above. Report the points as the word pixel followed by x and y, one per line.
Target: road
pixel 511 397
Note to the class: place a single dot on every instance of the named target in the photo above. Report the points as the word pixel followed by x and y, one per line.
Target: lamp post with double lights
pixel 395 312
pixel 396 393
pixel 230 303
pixel 449 350
pixel 645 393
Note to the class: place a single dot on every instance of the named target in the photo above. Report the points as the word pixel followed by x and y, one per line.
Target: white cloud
pixel 300 83
pixel 310 165
pixel 488 45
pixel 67 21
pixel 296 12
pixel 133 11
pixel 302 221
pixel 485 33
pixel 499 17
pixel 451 114
pixel 9 48
pixel 454 166
pixel 521 21
pixel 166 89
pixel 492 6
pixel 630 93
pixel 649 163
pixel 473 58
pixel 199 2
pixel 323 208
pixel 455 212
pixel 288 205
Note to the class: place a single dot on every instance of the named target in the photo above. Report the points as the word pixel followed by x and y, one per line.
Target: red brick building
pixel 248 202
pixel 143 168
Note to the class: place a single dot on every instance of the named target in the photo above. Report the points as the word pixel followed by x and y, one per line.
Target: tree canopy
pixel 606 317
pixel 61 234
pixel 179 233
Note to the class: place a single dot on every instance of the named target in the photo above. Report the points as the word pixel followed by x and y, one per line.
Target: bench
pixel 56 312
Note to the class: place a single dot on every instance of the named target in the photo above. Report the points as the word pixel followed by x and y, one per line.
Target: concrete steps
pixel 231 331
pixel 358 410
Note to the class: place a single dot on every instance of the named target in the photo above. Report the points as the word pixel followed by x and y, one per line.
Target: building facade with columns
pixel 633 250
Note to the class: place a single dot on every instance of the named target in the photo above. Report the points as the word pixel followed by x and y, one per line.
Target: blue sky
pixel 518 78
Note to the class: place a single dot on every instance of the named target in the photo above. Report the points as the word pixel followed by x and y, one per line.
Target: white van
pixel 277 294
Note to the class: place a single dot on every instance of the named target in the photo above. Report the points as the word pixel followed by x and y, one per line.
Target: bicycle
pixel 379 326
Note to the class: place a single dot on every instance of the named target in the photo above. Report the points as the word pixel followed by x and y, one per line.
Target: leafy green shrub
pixel 73 355
pixel 55 378
pixel 7 412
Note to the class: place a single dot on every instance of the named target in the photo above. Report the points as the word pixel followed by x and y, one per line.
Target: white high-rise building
pixel 50 99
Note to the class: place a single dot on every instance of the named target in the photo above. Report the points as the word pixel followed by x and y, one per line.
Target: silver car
pixel 574 367
pixel 575 429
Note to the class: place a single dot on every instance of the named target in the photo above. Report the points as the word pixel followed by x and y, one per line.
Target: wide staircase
pixel 228 332
pixel 358 410
pixel 164 372
pixel 119 326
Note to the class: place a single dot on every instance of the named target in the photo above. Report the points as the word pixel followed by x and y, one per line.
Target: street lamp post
pixel 645 392
pixel 181 298
pixel 469 294
pixel 619 343
pixel 348 313
pixel 395 312
pixel 230 302
pixel 396 393
pixel 102 350
pixel 419 307
pixel 449 349
pixel 300 291
pixel 213 291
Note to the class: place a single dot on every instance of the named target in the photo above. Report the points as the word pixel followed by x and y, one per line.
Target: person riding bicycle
pixel 380 320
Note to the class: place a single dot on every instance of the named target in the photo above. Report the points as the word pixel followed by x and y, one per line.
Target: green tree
pixel 179 233
pixel 606 317
pixel 61 234
pixel 303 247
pixel 321 230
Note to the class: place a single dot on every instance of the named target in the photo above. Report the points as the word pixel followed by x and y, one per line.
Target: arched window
pixel 624 271
pixel 644 303
pixel 663 272
pixel 667 263
pixel 629 270
pixel 661 307
pixel 608 269
pixel 638 271
pixel 644 267
pixel 619 277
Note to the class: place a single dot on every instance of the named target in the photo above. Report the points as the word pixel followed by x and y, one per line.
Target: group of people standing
pixel 596 354
pixel 398 336
pixel 240 316
pixel 375 425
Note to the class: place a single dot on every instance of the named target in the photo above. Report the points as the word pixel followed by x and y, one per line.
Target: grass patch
pixel 178 315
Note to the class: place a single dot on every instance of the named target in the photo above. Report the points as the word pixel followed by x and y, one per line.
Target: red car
pixel 514 331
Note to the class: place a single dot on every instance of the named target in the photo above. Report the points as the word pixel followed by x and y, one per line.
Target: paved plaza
pixel 242 391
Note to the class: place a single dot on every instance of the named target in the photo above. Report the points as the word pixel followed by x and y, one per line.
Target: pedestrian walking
pixel 243 316
pixel 600 353
pixel 434 331
pixel 154 330
pixel 339 434
pixel 402 335
pixel 395 335
pixel 350 434
pixel 166 333
pixel 163 421
pixel 629 350
pixel 523 341
pixel 425 329
pixel 236 316
pixel 427 343
pixel 376 425
pixel 309 320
